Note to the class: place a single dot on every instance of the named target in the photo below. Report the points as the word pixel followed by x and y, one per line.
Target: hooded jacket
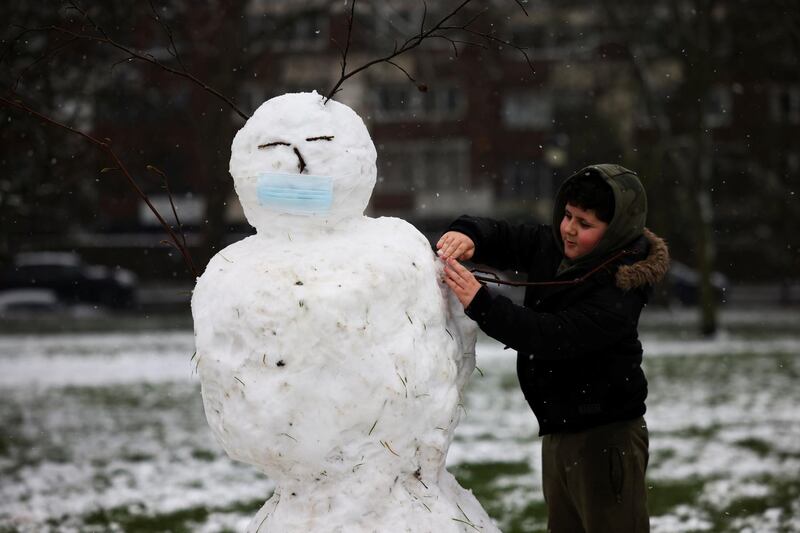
pixel 578 351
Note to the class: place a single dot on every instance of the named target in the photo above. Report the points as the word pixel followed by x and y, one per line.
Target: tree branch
pixel 105 146
pixel 104 38
pixel 349 38
pixel 172 48
pixel 178 223
pixel 45 56
pixel 492 38
pixel 420 86
pixel 417 39
pixel 519 3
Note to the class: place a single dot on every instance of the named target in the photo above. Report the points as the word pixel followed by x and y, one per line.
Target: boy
pixel 579 356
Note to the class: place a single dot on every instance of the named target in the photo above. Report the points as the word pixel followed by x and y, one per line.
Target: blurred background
pixel 700 97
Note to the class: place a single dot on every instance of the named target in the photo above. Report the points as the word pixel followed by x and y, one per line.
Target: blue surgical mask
pixel 298 194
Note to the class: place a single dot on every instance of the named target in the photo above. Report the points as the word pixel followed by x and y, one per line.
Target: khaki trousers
pixel 594 480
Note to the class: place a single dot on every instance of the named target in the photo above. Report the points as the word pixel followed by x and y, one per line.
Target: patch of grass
pixel 662 497
pixel 11 419
pixel 485 473
pixel 181 521
pixel 532 519
pixel 787 365
pixel 760 446
pixel 140 396
pixel 783 494
pixel 509 382
pixel 697 432
pixel 203 455
pixel 108 397
pixel 108 321
pixel 659 456
pixel 484 479
pixel 101 482
pixel 137 457
pixel 8 442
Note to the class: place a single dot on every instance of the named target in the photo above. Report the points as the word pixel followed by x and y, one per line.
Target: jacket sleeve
pixel 502 245
pixel 602 319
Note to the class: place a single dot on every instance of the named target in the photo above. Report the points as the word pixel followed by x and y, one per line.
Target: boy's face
pixel 581 230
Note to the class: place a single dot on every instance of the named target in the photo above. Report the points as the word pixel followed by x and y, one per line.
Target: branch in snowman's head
pixel 301 163
pixel 442 29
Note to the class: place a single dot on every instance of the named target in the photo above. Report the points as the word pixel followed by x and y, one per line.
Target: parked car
pixel 70 279
pixel 684 284
pixel 28 301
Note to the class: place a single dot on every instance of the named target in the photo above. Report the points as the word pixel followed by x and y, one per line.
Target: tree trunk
pixel 705 239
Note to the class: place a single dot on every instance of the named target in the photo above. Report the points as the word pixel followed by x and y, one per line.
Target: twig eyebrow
pixel 321 138
pixel 276 143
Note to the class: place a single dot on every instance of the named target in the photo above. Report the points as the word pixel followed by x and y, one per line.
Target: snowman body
pixel 329 354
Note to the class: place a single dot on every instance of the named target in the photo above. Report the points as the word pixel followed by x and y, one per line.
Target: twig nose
pixel 301 163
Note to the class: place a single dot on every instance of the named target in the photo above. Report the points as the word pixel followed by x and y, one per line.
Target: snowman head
pixel 301 162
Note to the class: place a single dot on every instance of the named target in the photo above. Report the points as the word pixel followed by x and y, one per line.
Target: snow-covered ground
pixel 106 432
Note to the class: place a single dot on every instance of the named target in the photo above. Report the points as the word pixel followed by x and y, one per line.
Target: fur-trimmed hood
pixel 647 271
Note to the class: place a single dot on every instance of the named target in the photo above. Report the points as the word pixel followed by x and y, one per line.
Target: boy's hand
pixel 461 282
pixel 455 245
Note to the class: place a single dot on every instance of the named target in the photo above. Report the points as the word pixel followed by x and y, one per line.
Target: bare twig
pixel 44 57
pixel 388 447
pixel 439 30
pixel 467 523
pixel 276 143
pixel 103 37
pixel 172 48
pixel 105 146
pixel 151 60
pixel 349 35
pixel 152 168
pixel 492 38
pixel 409 76
pixel 301 163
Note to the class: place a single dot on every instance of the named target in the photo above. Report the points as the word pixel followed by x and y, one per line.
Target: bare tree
pixel 693 36
pixel 180 47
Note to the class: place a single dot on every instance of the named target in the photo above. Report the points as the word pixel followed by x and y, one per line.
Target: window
pixel 393 21
pixel 422 166
pixel 404 102
pixel 785 104
pixel 528 110
pixel 717 112
pixel 793 163
pixel 191 209
pixel 536 37
pixel 293 31
pixel 527 180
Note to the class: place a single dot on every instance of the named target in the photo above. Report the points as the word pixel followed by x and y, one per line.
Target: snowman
pixel 329 354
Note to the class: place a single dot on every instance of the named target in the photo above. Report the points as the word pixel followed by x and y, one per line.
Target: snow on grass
pixel 95 360
pixel 106 432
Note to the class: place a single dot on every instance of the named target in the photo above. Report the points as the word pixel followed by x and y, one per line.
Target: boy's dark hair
pixel 590 192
